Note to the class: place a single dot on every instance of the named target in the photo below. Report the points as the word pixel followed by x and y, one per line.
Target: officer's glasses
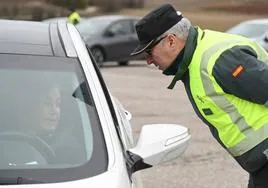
pixel 151 47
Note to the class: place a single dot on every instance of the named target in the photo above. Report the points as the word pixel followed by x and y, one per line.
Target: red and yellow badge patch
pixel 237 71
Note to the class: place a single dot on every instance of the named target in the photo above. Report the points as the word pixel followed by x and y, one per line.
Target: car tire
pixel 98 55
pixel 123 63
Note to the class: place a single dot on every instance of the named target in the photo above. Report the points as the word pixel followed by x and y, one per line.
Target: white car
pixel 60 125
pixel 256 29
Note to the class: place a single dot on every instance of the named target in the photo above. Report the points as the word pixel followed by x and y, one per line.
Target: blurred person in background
pixel 74 16
pixel 225 77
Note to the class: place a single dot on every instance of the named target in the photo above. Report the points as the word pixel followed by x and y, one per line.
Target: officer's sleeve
pixel 240 73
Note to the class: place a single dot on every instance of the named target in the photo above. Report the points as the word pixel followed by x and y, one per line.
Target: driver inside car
pixel 43 120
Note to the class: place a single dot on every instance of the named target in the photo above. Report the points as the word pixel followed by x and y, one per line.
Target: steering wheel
pixel 35 141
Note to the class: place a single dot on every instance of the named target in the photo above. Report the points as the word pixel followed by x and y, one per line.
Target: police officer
pixel 225 77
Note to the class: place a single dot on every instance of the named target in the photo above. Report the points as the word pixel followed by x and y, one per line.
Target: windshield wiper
pixel 17 180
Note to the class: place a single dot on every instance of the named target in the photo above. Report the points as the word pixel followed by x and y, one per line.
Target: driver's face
pixel 50 110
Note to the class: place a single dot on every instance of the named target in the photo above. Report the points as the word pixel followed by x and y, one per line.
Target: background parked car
pixel 110 38
pixel 58 121
pixel 254 29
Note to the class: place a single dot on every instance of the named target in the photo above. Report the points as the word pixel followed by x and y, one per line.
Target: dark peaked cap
pixel 154 24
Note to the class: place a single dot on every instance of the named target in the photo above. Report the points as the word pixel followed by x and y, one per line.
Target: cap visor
pixel 141 48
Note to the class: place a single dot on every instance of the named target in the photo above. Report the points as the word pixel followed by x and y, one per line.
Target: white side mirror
pixel 160 143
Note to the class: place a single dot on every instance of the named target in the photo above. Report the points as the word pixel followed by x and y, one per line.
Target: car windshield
pixel 50 131
pixel 249 30
pixel 92 26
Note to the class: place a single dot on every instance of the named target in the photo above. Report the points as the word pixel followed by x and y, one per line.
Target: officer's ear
pixel 172 39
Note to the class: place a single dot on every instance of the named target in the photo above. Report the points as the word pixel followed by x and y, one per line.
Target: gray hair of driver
pixel 181 29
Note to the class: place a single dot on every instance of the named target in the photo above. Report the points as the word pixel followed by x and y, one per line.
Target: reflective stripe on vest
pixel 253 137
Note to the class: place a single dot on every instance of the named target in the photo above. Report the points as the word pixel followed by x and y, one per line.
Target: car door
pixel 126 136
pixel 121 40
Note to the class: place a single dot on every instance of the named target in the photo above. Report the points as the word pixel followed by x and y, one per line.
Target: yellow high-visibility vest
pixel 240 124
pixel 74 18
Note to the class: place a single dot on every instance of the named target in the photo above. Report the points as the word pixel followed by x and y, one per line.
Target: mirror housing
pixel 158 144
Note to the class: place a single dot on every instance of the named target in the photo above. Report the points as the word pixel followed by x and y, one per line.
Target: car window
pixel 123 27
pixel 49 128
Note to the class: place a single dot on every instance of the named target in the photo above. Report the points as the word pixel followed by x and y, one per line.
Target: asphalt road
pixel 142 91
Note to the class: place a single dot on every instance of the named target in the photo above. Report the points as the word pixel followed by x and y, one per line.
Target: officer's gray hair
pixel 181 29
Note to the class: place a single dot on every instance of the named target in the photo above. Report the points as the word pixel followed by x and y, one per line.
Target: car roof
pixel 34 38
